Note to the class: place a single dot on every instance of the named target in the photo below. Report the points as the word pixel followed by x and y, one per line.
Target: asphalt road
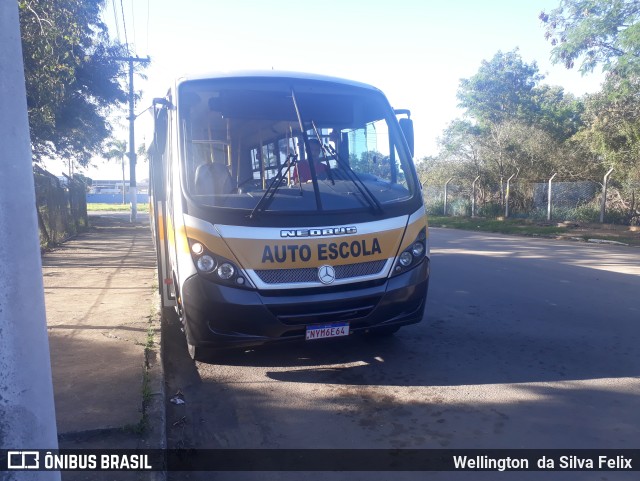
pixel 526 343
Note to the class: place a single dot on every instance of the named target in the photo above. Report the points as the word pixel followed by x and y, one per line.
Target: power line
pixel 148 12
pixel 133 22
pixel 124 26
pixel 115 16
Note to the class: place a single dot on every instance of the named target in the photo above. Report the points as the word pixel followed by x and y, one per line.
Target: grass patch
pixel 502 226
pixel 570 230
pixel 142 426
pixel 138 428
pixel 116 207
pixel 149 342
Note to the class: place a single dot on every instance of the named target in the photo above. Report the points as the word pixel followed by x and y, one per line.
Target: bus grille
pixel 294 276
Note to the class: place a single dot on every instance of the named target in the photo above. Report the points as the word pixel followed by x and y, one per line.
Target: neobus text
pixel 318 232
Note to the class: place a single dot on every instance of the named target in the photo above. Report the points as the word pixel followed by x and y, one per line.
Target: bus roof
pixel 281 74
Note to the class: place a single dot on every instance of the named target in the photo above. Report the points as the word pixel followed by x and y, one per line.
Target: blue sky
pixel 415 51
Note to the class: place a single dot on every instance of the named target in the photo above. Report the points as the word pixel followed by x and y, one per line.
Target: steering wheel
pixel 249 185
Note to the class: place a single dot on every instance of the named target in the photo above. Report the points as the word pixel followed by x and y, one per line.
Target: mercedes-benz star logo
pixel 326 274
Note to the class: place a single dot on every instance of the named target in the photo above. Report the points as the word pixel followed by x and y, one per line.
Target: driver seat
pixel 213 178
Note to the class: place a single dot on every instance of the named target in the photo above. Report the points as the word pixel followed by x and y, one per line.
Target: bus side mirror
pixel 162 102
pixel 407 129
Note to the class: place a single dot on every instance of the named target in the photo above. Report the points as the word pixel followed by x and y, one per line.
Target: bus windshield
pixel 291 145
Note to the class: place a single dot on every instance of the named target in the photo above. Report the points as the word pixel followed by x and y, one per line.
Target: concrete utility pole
pixel 27 414
pixel 133 190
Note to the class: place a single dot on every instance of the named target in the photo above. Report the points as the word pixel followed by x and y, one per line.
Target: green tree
pixel 143 152
pixel 593 32
pixel 612 137
pixel 72 77
pixel 612 129
pixel 502 89
pixel 558 113
pixel 516 125
pixel 117 149
pixel 606 33
pixel 506 88
pixel 461 143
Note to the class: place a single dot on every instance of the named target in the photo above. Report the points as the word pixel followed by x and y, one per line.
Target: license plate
pixel 329 330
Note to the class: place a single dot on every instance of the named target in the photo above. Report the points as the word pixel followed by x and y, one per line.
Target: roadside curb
pixel 153 403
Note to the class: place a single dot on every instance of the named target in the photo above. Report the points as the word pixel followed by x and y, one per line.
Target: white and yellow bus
pixel 285 206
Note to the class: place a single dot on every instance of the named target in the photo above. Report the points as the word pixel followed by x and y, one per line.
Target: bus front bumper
pixel 221 316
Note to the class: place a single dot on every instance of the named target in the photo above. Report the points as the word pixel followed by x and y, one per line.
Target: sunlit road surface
pixel 526 343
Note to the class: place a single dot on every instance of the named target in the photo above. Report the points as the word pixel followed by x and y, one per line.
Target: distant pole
pixel 506 197
pixel 123 200
pixel 446 187
pixel 473 197
pixel 27 414
pixel 549 197
pixel 133 191
pixel 603 202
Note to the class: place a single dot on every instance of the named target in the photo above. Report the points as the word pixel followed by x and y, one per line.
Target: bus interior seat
pixel 213 178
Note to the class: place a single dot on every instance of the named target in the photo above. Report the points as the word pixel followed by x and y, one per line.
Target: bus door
pixel 158 204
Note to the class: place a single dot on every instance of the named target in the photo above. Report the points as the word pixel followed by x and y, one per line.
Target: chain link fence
pixel 578 201
pixel 61 207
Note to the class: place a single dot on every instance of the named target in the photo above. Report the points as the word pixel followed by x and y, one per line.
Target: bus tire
pixel 199 353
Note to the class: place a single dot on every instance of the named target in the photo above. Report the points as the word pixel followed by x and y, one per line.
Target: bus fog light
pixel 206 263
pixel 405 259
pixel 226 271
pixel 240 280
pixel 417 249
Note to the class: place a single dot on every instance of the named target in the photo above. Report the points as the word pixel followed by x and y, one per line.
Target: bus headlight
pixel 216 268
pixel 197 248
pixel 405 259
pixel 412 255
pixel 206 263
pixel 226 271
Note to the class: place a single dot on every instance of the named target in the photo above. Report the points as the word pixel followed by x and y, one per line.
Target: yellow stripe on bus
pixel 297 253
pixel 413 230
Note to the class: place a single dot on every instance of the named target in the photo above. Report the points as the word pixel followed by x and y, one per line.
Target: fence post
pixel 549 197
pixel 603 202
pixel 506 197
pixel 473 198
pixel 446 186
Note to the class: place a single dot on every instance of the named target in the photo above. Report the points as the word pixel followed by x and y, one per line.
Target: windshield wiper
pixel 273 187
pixel 371 199
pixel 305 139
pixel 324 149
pixel 353 177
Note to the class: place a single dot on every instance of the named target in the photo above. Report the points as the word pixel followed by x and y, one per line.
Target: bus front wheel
pixel 199 353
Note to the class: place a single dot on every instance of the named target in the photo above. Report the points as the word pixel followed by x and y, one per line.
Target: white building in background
pixel 115 187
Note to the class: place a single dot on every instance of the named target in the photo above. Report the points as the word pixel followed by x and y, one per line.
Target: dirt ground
pixel 629 235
